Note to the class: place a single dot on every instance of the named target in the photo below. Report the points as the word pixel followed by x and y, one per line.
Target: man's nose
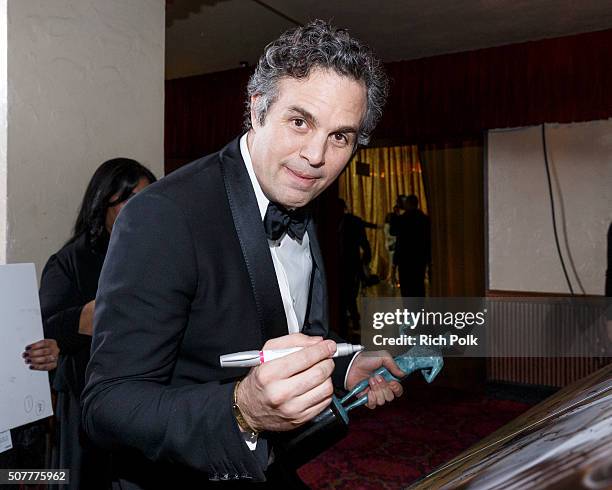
pixel 313 149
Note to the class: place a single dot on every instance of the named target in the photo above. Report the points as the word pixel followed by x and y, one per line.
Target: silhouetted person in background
pixel 355 256
pixel 390 242
pixel 413 247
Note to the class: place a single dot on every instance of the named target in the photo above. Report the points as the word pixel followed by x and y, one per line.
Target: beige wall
pixel 522 251
pixel 85 84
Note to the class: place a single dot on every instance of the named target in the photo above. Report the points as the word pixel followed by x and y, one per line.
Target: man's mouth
pixel 302 177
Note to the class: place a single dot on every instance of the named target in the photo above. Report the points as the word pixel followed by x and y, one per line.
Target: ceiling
pixel 204 36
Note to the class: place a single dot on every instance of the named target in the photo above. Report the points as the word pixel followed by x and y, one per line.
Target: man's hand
pixel 283 394
pixel 42 355
pixel 379 391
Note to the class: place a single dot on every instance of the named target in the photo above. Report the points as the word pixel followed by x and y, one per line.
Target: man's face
pixel 308 136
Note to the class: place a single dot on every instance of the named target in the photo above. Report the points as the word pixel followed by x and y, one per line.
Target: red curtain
pixel 459 95
pixel 432 99
pixel 203 113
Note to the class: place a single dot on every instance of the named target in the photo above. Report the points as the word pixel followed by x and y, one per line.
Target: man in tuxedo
pixel 222 256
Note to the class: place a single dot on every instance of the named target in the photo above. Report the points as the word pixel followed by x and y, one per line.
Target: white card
pixel 25 393
pixel 6 442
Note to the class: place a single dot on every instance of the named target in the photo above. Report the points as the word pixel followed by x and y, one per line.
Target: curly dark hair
pixel 118 176
pixel 318 45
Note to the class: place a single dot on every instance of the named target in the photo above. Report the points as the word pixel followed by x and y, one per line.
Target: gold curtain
pixel 393 171
pixel 454 175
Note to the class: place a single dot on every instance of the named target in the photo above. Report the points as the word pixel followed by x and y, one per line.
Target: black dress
pixel 69 281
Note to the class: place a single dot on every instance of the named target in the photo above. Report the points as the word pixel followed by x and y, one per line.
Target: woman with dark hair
pixel 68 289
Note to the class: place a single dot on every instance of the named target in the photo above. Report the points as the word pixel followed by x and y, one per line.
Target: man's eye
pixel 299 123
pixel 340 138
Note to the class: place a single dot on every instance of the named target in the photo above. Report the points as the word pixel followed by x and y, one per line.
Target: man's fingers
pixel 281 391
pixel 373 393
pixel 380 388
pixel 313 412
pixel 389 395
pixel 363 393
pixel 308 380
pixel 312 398
pixel 300 361
pixel 292 340
pixel 392 367
pixel 382 392
pixel 396 388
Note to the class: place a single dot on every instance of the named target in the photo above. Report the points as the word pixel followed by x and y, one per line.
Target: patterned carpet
pixel 393 446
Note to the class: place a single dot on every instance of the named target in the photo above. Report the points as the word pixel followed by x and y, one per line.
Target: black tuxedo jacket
pixel 188 277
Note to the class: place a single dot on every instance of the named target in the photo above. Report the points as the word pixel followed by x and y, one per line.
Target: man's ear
pixel 254 120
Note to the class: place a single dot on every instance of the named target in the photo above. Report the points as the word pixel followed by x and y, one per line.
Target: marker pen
pixel 252 358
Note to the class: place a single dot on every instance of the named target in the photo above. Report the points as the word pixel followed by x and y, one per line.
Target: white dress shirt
pixel 291 258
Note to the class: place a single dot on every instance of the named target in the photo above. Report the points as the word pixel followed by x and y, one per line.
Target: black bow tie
pixel 278 221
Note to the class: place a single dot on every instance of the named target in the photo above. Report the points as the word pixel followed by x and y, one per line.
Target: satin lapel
pixel 318 319
pixel 253 242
